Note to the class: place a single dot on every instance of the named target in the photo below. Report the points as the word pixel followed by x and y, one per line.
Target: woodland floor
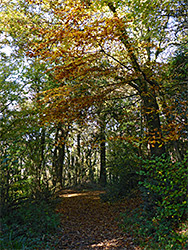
pixel 89 223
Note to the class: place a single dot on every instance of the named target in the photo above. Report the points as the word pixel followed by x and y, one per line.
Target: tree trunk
pixel 151 111
pixel 54 161
pixel 77 163
pixel 42 157
pixel 61 163
pixel 90 166
pixel 102 155
pixel 59 155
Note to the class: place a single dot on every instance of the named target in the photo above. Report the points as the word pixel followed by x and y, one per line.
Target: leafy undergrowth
pixel 89 223
pixel 82 221
pixel 150 235
pixel 31 226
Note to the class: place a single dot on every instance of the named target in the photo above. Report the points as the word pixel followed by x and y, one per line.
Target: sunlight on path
pixel 88 223
pixel 94 193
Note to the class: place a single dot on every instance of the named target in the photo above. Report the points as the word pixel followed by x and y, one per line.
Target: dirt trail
pixel 88 223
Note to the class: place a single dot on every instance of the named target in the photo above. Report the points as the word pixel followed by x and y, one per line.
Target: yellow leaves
pixel 67 102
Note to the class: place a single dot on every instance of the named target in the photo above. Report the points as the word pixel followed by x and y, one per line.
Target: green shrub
pixel 164 193
pixel 124 186
pixel 150 234
pixel 121 169
pixel 30 226
pixel 164 189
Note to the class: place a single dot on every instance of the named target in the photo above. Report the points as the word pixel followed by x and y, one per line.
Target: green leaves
pixel 164 193
pixel 164 190
pixel 21 228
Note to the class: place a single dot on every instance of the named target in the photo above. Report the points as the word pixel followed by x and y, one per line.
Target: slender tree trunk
pixel 61 163
pixel 54 162
pixel 89 165
pixel 61 155
pixel 78 159
pixel 42 157
pixel 103 155
pixel 69 167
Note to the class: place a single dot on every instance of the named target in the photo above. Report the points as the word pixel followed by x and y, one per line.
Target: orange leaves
pixel 74 39
pixel 67 103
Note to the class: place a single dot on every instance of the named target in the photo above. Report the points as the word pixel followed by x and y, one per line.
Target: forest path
pixel 89 223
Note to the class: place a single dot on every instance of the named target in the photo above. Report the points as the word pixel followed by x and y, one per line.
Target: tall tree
pixel 123 40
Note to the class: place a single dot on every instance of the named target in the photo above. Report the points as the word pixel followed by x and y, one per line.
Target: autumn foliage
pixel 88 43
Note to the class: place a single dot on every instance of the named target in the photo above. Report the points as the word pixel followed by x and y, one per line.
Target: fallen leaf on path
pixel 89 223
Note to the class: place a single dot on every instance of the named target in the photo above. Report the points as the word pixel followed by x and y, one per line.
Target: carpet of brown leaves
pixel 89 223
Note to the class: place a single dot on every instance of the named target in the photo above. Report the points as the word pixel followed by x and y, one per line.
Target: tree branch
pixel 102 50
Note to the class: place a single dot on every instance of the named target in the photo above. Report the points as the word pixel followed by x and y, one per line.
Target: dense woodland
pixel 94 94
